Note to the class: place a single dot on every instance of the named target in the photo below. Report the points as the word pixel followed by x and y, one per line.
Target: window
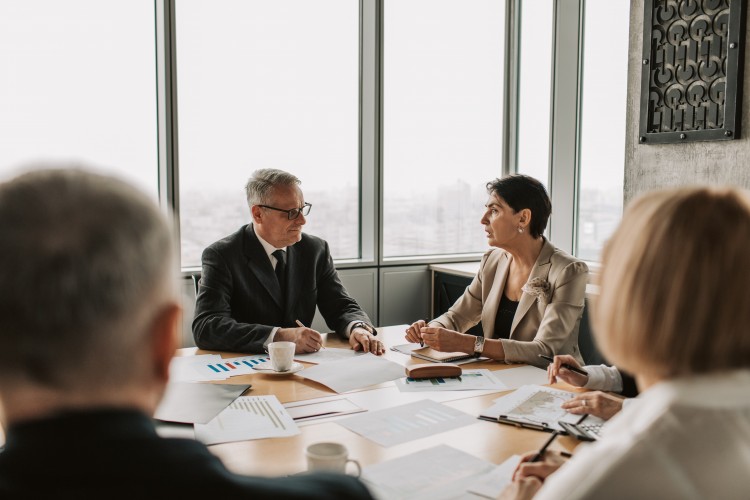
pixel 78 85
pixel 602 133
pixel 443 122
pixel 535 92
pixel 267 84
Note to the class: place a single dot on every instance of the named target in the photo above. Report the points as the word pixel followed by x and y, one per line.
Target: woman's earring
pixel 520 229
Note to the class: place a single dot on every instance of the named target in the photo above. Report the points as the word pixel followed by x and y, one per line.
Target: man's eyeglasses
pixel 292 213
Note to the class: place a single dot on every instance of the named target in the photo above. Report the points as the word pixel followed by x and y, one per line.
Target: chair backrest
pixel 586 343
pixel 196 282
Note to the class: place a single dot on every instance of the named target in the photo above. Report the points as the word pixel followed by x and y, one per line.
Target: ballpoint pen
pixel 543 449
pixel 566 365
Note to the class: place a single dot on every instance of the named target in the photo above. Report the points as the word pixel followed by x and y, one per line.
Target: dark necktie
pixel 280 268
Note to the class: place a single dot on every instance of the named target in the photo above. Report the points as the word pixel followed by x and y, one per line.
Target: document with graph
pixel 532 406
pixel 407 422
pixel 248 417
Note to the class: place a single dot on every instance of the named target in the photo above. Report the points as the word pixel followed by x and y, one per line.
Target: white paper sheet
pixel 248 417
pixel 494 482
pixel 310 410
pixel 514 378
pixel 533 404
pixel 188 368
pixel 438 473
pixel 354 373
pixel 469 380
pixel 327 355
pixel 407 422
pixel 187 402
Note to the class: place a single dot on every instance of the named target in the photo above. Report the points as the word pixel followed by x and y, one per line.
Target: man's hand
pixel 555 371
pixel 306 339
pixel 362 340
pixel 597 403
pixel 521 489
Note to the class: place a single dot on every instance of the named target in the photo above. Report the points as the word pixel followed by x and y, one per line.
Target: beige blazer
pixel 540 326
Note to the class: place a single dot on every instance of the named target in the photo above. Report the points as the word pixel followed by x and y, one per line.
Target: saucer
pixel 270 371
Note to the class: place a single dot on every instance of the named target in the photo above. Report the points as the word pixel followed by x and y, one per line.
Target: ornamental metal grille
pixel 692 70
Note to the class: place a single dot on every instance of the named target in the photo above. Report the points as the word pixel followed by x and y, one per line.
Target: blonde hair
pixel 674 282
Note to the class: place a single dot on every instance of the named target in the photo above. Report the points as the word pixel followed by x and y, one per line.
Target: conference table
pixel 283 456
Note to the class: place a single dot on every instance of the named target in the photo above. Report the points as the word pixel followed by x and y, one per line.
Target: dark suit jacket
pixel 117 453
pixel 240 302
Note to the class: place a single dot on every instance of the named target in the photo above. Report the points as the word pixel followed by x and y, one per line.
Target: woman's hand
pixel 442 339
pixel 529 476
pixel 414 333
pixel 555 371
pixel 597 403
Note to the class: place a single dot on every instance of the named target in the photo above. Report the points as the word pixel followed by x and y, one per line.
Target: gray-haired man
pixel 260 281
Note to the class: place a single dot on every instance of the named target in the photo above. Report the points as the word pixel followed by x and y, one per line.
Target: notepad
pixel 431 354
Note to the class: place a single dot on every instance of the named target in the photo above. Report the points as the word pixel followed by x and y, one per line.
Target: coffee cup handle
pixel 359 468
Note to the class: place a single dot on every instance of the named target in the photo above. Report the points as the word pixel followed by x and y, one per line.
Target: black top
pixel 117 453
pixel 504 319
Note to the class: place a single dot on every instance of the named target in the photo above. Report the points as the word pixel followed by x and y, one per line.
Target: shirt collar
pixel 270 249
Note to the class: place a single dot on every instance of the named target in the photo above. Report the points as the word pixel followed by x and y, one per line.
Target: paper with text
pixel 469 380
pixel 407 422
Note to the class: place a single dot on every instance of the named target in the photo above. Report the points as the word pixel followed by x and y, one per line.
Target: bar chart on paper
pixel 408 422
pixel 236 366
pixel 248 417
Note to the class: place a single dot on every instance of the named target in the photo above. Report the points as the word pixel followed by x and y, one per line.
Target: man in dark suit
pixel 89 313
pixel 261 282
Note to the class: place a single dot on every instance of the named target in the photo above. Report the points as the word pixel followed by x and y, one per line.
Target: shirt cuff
pixel 270 337
pixel 603 378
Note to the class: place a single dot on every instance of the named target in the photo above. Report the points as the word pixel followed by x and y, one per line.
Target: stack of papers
pixel 249 417
pixel 327 355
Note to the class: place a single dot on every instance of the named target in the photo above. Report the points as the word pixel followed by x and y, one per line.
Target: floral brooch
pixel 539 288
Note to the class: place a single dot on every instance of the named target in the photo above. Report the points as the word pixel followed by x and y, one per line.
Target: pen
pixel 543 449
pixel 566 365
pixel 299 324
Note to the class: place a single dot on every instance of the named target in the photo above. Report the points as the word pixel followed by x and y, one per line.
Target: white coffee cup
pixel 282 355
pixel 330 457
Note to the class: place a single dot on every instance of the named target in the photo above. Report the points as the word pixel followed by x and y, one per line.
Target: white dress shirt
pixel 687 438
pixel 270 249
pixel 603 378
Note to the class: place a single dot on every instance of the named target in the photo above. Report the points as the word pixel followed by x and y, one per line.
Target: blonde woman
pixel 527 294
pixel 674 310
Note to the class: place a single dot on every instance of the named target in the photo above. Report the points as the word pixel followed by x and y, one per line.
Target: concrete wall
pixel 650 167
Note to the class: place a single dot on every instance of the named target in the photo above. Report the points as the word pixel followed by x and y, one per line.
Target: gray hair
pixel 86 262
pixel 261 183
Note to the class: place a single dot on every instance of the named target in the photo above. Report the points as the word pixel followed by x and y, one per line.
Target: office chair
pixel 196 282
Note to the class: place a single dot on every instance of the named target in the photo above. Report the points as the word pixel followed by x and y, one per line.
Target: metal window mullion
pixel 166 93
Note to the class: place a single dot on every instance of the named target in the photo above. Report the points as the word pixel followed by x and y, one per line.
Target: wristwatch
pixel 365 326
pixel 478 346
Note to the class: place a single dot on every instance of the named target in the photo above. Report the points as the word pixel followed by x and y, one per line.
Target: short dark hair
pixel 521 191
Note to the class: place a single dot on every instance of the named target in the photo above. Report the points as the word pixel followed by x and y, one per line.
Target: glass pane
pixel 602 136
pixel 443 108
pixel 79 85
pixel 267 84
pixel 535 81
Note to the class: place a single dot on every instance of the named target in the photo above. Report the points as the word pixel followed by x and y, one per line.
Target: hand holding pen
pixel 567 369
pixel 414 333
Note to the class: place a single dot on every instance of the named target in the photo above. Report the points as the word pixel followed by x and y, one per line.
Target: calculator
pixel 582 431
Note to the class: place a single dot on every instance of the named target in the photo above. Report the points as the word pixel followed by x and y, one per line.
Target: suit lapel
pixel 540 270
pixel 260 265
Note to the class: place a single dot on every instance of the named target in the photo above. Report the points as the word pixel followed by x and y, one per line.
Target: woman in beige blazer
pixel 528 294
